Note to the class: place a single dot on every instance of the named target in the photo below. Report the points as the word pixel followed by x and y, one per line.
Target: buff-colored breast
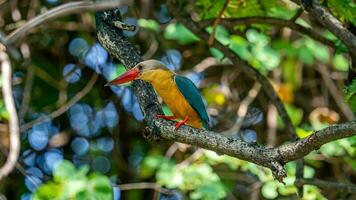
pixel 165 86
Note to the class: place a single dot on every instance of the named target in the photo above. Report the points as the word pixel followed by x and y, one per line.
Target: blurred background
pixel 94 133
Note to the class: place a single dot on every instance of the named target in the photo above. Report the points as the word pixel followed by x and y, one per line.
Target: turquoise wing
pixel 191 93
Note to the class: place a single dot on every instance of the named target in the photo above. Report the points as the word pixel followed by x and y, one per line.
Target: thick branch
pixel 13 119
pixel 303 147
pixel 231 22
pixel 117 45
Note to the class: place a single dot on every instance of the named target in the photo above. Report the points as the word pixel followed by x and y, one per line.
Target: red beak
pixel 126 77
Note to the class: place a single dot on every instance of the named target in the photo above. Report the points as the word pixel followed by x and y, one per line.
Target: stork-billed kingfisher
pixel 178 92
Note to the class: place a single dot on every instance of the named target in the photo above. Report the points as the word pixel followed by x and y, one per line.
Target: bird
pixel 178 92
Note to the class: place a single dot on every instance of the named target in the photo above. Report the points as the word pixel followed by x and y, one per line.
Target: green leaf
pixel 340 63
pixel 3 112
pixel 216 53
pixel 302 133
pixel 48 191
pixel 240 46
pixel 257 38
pixel 295 114
pixel 70 183
pixel 306 55
pixel 149 24
pixel 345 10
pixel 292 73
pixel 150 164
pixel 100 187
pixel 269 190
pixel 309 172
pixel 63 171
pixel 350 95
pixel 167 175
pixel 209 191
pixel 75 186
pixel 180 33
pixel 332 149
pixel 221 34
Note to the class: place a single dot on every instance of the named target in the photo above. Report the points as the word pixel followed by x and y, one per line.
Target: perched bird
pixel 178 92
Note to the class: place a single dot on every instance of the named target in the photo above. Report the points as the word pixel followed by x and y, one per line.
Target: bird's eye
pixel 139 67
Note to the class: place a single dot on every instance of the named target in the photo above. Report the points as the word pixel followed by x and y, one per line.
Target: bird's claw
pixel 179 124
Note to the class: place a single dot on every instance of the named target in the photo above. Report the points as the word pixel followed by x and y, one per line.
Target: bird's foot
pixel 179 124
pixel 165 117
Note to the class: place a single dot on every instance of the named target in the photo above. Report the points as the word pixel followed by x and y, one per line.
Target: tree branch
pixel 59 11
pixel 231 22
pixel 144 185
pixel 13 119
pixel 342 187
pixel 330 22
pixel 325 18
pixel 273 158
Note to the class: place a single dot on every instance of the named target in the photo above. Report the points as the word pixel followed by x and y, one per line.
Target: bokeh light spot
pixel 78 47
pixel 72 73
pixel 101 164
pixel 95 57
pixel 29 157
pixel 162 14
pixel 172 59
pixel 105 144
pixel 80 146
pixel 38 139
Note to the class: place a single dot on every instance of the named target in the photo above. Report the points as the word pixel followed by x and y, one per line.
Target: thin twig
pixel 341 187
pixel 13 118
pixel 325 74
pixel 242 111
pixel 171 150
pixel 144 185
pixel 297 15
pixel 59 11
pixel 26 96
pixel 39 72
pixel 272 125
pixel 231 22
pixel 64 107
pixel 195 156
pixel 216 23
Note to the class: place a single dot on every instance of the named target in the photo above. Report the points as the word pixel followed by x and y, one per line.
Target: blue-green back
pixel 192 95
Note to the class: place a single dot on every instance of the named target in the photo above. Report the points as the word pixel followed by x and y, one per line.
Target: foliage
pixel 3 113
pixel 350 92
pixel 70 183
pixel 101 132
pixel 344 9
